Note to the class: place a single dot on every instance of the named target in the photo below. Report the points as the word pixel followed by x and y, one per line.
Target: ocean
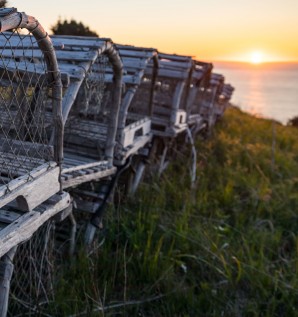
pixel 268 90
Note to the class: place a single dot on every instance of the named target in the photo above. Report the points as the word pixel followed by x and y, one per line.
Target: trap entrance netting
pixel 90 117
pixel 90 102
pixel 24 90
pixel 31 285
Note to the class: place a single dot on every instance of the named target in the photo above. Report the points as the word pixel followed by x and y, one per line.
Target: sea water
pixel 269 90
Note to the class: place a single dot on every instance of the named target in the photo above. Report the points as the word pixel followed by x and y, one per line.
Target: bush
pixel 293 122
pixel 72 28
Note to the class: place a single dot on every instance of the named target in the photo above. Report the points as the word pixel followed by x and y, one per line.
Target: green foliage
pixel 72 27
pixel 293 122
pixel 227 248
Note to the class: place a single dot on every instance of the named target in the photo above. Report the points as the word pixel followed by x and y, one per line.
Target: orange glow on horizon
pixel 256 58
pixel 247 26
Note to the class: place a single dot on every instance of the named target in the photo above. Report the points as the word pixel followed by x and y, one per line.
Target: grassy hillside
pixel 226 248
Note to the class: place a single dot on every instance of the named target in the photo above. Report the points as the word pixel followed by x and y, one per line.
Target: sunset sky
pixel 210 30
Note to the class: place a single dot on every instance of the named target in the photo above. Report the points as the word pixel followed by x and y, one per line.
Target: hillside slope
pixel 226 248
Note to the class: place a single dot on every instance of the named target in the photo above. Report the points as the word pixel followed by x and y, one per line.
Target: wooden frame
pixel 17 226
pixel 30 163
pixel 199 84
pixel 29 184
pixel 134 129
pixel 210 98
pixel 77 58
pixel 223 99
pixel 169 117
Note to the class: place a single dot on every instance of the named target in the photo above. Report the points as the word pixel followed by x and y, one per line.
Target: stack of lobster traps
pixel 82 118
pixel 31 147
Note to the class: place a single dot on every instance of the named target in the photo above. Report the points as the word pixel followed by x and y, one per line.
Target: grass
pixel 229 247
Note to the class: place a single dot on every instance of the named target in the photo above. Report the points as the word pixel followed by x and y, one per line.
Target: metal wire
pixel 31 287
pixel 24 91
pixel 88 118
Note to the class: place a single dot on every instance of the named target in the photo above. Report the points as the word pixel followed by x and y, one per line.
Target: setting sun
pixel 256 58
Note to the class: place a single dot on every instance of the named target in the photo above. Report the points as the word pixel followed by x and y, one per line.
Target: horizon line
pixel 261 63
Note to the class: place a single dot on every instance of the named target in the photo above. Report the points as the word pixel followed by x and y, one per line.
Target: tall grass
pixel 228 247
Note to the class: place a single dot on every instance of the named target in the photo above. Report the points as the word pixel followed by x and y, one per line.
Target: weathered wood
pixel 6 270
pixel 171 73
pixel 31 190
pixel 135 130
pixel 63 214
pixel 26 148
pixel 139 143
pixel 74 56
pixel 26 225
pixel 13 184
pixel 76 158
pixel 135 53
pixel 92 43
pixel 87 178
pixel 84 166
pixel 137 177
pixel 174 57
pixel 8 216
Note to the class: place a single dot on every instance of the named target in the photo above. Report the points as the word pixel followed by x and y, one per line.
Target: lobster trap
pixel 29 81
pixel 91 100
pixel 199 85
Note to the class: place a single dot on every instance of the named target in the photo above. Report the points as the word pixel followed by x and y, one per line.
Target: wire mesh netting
pixel 141 102
pixel 163 97
pixel 87 124
pixel 31 286
pixel 90 102
pixel 24 92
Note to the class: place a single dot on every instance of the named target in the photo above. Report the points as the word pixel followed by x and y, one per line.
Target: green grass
pixel 229 247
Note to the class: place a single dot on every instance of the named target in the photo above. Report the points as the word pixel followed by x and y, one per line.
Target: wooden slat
pixel 40 185
pixel 58 41
pixel 168 64
pixel 79 42
pixel 26 148
pixel 25 226
pixel 84 166
pixel 26 72
pixel 138 144
pixel 174 57
pixel 131 53
pixel 8 216
pixel 63 55
pixel 87 178
pixel 183 75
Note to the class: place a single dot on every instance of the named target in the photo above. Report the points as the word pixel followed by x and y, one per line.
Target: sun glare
pixel 256 58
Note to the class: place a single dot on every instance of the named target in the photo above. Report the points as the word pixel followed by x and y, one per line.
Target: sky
pixel 210 30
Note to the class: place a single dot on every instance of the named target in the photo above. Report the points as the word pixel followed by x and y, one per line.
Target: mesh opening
pixel 86 127
pixel 31 286
pixel 140 102
pixel 24 93
pixel 163 98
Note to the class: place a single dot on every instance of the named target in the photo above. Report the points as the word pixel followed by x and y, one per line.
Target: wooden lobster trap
pixel 90 106
pixel 169 117
pixel 169 107
pixel 198 86
pixel 209 101
pixel 92 87
pixel 223 99
pixel 134 129
pixel 31 147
